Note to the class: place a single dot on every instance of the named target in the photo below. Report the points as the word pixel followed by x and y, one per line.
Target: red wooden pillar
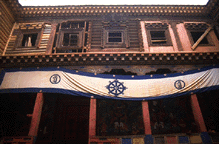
pixel 36 115
pixel 146 117
pixel 92 119
pixel 197 114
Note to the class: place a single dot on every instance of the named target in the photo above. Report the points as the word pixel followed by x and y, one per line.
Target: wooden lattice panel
pixel 196 26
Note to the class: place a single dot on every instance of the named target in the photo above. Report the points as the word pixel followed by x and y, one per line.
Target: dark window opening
pixel 70 50
pixel 57 28
pixel 158 37
pixel 115 37
pixel 216 31
pixel 119 72
pixel 161 71
pixel 85 41
pixel 73 25
pixel 70 39
pixel 29 40
pixel 115 117
pixel 197 35
pixel 87 26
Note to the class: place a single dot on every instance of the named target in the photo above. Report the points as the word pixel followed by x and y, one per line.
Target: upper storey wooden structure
pixel 135 26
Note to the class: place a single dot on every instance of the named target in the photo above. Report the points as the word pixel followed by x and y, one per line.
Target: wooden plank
pixel 23 52
pixel 6 26
pixel 2 42
pixel 7 14
pixel 11 42
pixel 45 37
pixel 3 6
pixel 2 47
pixel 96 39
pixel 5 29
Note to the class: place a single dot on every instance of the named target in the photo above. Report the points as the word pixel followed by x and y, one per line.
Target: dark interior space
pixel 64 119
pixel 173 115
pixel 119 72
pixel 14 108
pixel 209 104
pixel 117 117
pixel 27 37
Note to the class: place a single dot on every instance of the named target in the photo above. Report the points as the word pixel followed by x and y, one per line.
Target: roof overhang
pixel 84 10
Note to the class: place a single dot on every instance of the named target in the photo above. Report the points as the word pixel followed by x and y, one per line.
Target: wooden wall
pixel 133 28
pixel 6 23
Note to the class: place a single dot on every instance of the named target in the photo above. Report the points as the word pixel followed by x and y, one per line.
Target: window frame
pixel 21 34
pixel 78 32
pixel 167 36
pixel 71 37
pixel 208 37
pixel 108 37
pixel 124 36
pixel 198 27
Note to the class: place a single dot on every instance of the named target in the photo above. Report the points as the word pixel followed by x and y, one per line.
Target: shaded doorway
pixel 14 110
pixel 69 121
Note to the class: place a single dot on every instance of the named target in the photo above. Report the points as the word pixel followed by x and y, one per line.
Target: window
pixel 197 35
pixel 115 35
pixel 158 37
pixel 158 34
pixel 72 37
pixel 195 31
pixel 29 40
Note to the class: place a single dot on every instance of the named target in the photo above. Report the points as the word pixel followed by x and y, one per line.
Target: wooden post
pixel 197 113
pixel 146 117
pixel 92 119
pixel 36 115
